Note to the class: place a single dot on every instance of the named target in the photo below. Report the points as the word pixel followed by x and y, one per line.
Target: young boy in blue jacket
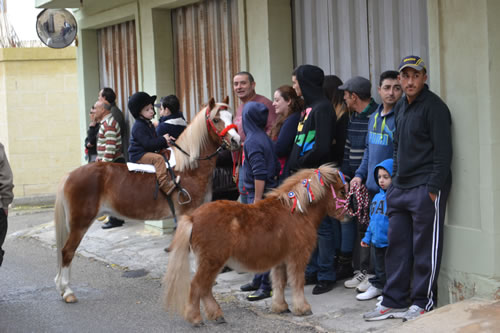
pixel 376 234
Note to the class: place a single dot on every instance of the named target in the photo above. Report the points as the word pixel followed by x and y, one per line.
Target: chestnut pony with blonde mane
pixel 109 188
pixel 278 232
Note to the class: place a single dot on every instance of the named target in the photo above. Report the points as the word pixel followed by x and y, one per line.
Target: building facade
pixel 193 48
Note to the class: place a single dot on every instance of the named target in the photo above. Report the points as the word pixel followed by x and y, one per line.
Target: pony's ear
pixel 226 100
pixel 211 103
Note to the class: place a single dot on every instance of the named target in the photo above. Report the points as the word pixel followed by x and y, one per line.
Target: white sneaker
pixel 356 280
pixel 365 284
pixel 372 292
pixel 381 312
pixel 379 299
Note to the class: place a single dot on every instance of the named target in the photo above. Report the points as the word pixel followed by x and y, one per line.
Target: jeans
pixel 322 262
pixel 262 280
pixel 243 192
pixel 378 259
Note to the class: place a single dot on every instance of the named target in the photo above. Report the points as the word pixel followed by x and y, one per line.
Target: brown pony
pixel 278 232
pixel 109 188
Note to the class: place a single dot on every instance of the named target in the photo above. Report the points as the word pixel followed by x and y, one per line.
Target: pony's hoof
pixel 304 313
pixel 71 298
pixel 200 324
pixel 220 320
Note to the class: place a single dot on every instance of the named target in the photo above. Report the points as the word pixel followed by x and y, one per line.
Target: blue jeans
pixel 243 193
pixel 322 262
pixel 345 235
pixel 262 280
pixel 378 258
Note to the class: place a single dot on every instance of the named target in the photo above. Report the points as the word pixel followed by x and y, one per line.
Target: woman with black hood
pixel 311 149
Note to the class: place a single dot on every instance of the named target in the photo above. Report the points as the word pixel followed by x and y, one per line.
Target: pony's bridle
pixel 339 203
pixel 221 134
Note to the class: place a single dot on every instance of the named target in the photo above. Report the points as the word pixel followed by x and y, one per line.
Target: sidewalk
pixel 132 247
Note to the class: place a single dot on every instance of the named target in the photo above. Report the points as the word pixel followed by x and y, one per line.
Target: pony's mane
pixel 328 173
pixel 193 140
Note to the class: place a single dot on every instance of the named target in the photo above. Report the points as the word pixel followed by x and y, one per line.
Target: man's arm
pixel 259 189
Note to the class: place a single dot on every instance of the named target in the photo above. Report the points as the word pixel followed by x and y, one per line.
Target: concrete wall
pixel 39 116
pixel 466 74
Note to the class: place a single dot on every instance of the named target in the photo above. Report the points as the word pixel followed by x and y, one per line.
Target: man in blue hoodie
pixel 260 173
pixel 311 148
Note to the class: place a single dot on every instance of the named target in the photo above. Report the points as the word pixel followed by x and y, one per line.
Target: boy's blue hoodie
pixel 376 234
pixel 261 162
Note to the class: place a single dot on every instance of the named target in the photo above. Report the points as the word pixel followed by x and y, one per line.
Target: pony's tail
pixel 61 226
pixel 178 275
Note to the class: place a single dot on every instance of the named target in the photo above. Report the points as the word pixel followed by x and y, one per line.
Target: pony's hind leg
pixel 201 288
pixel 295 271
pixel 278 277
pixel 67 254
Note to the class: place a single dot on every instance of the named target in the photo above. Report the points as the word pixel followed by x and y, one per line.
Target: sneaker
pixel 323 287
pixel 372 292
pixel 259 294
pixel 381 312
pixel 379 299
pixel 112 224
pixel 356 280
pixel 413 312
pixel 365 284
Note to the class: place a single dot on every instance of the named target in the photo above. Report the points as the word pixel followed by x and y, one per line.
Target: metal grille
pixel 206 53
pixel 118 61
pixel 359 37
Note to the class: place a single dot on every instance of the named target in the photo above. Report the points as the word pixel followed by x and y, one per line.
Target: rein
pixel 221 135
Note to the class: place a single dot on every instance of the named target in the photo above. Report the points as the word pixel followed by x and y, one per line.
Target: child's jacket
pixel 376 234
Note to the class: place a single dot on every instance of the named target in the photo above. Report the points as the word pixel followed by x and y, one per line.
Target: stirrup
pixel 186 194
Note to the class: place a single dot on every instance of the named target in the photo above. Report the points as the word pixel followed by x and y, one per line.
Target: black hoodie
pixel 316 128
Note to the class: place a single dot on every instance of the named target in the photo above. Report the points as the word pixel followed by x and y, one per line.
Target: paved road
pixel 109 301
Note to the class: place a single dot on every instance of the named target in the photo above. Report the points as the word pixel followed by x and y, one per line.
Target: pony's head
pixel 213 125
pixel 309 186
pixel 220 123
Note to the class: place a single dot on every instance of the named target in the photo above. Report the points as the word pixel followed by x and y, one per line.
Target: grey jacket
pixel 6 180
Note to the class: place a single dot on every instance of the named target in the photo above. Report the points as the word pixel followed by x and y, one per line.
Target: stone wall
pixel 39 118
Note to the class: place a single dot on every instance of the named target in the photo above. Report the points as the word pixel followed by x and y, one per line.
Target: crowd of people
pixel 399 150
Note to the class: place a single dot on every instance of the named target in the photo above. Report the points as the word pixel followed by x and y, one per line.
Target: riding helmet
pixel 138 101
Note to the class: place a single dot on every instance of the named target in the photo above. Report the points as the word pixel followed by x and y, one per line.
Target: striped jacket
pixel 356 139
pixel 109 140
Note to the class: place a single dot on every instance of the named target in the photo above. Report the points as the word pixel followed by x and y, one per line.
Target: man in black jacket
pixel 416 202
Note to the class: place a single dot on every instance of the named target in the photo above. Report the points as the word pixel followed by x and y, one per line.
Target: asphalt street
pixel 111 299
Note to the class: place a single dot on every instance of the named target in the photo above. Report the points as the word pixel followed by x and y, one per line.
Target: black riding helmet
pixel 138 101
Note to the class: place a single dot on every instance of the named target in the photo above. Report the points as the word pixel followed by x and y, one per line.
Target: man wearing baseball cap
pixel 358 98
pixel 416 202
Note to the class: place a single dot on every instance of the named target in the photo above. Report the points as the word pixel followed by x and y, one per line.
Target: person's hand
pixel 155 122
pixel 363 244
pixel 356 180
pixel 433 196
pixel 169 138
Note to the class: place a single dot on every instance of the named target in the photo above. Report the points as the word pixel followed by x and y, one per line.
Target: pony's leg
pixel 295 271
pixel 212 308
pixel 201 287
pixel 68 252
pixel 62 284
pixel 278 277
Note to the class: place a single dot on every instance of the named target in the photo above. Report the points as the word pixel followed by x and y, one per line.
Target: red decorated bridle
pixel 222 135
pixel 223 132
